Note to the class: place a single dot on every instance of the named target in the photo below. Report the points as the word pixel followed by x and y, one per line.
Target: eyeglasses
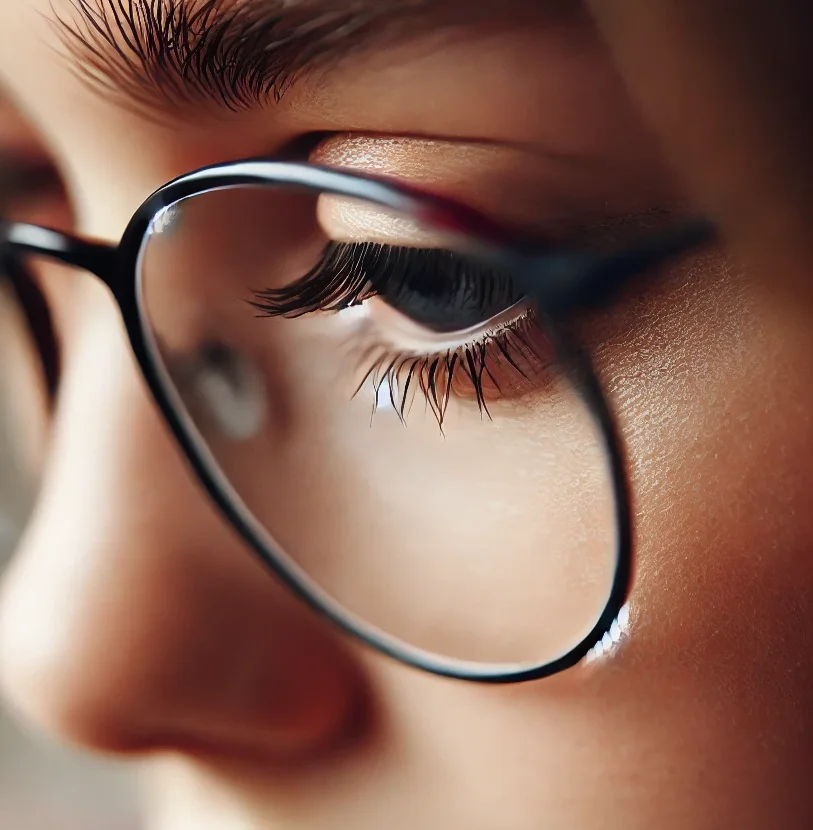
pixel 374 387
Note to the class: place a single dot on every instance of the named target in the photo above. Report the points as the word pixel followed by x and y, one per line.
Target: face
pixel 134 621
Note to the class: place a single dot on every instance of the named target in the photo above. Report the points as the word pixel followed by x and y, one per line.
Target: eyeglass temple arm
pixel 561 283
pixel 568 282
pixel 19 238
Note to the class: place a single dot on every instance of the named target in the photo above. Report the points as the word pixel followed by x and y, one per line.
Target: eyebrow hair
pixel 166 54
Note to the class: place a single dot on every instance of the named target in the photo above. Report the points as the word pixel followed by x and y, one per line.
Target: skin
pixel 133 621
pixel 717 86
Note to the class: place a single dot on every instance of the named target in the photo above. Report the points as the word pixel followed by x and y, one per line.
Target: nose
pixel 132 619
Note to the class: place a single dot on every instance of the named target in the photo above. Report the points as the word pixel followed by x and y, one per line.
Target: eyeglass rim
pixel 119 267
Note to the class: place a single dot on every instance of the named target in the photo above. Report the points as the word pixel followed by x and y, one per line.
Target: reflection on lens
pixel 390 412
pixel 223 390
pixel 23 416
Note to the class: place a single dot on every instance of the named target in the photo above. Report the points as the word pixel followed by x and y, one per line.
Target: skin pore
pixel 133 621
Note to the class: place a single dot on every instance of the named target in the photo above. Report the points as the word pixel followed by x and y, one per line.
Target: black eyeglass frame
pixel 559 281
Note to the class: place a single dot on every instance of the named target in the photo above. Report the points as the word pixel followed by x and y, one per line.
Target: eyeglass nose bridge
pixel 98 258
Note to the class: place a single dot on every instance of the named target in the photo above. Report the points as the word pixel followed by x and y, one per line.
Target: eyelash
pixel 436 375
pixel 348 275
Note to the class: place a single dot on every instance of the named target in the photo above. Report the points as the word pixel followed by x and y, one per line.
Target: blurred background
pixel 44 787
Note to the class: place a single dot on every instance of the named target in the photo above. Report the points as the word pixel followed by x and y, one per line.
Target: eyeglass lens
pixel 390 412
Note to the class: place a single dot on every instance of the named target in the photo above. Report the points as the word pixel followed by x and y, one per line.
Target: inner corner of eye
pixel 344 219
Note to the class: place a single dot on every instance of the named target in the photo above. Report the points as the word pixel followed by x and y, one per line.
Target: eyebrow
pixel 240 54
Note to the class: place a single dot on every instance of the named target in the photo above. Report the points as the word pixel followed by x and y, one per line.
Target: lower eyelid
pixel 519 359
pixel 503 365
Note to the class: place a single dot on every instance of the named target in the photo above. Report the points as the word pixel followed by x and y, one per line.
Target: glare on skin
pixel 132 621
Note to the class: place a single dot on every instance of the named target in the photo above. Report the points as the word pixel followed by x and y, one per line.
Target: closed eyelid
pixel 534 191
pixel 503 181
pixel 348 220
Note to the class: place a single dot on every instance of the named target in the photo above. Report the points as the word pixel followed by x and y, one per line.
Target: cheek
pixel 712 389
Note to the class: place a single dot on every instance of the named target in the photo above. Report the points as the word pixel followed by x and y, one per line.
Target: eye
pixel 437 289
pixel 439 323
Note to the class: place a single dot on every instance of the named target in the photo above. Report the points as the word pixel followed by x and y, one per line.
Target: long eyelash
pixel 435 375
pixel 341 279
pixel 336 282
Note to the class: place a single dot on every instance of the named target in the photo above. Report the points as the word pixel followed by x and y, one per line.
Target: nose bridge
pixel 132 617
